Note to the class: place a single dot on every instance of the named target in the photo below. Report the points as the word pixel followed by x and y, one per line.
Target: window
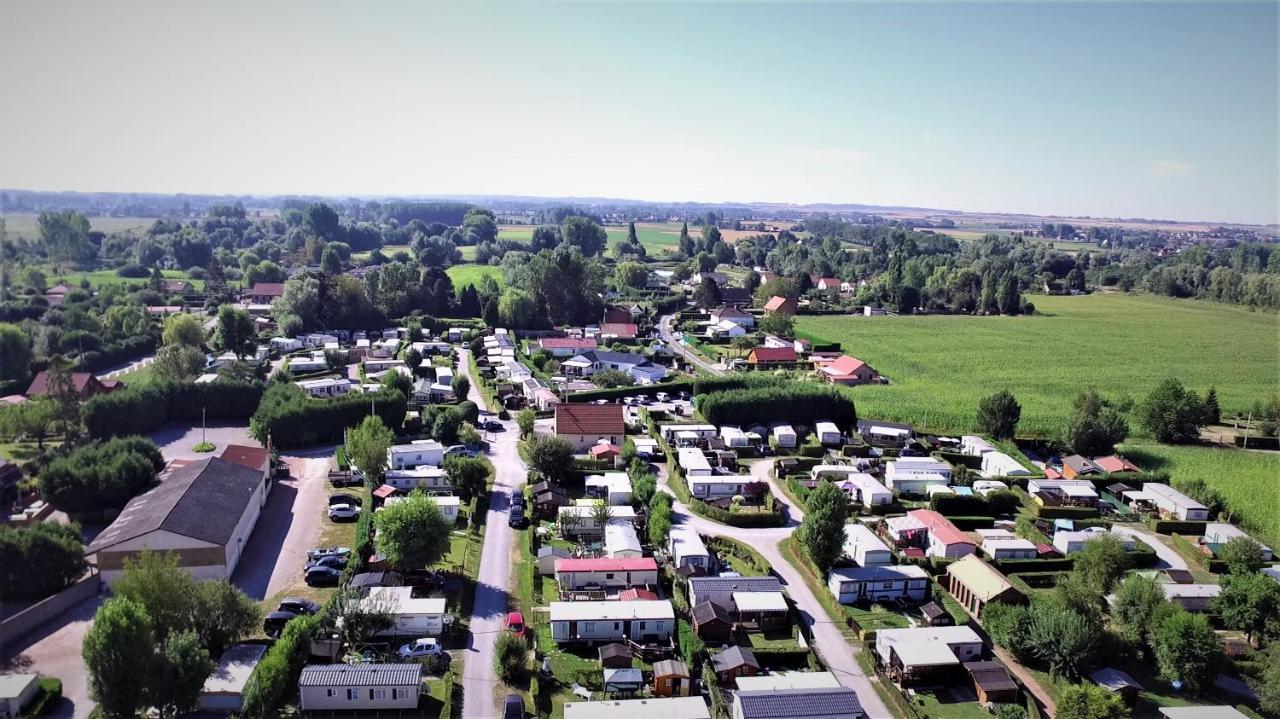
pixel 331 692
pixel 353 695
pixel 377 693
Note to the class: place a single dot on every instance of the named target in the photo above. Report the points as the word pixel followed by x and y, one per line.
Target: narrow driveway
pixel 126 368
pixel 1169 559
pixel 479 681
pixel 665 328
pixel 289 526
pixel 54 650
pixel 830 644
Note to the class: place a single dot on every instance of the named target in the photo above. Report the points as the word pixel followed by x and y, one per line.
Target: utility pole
pixel 1248 426
pixel 203 410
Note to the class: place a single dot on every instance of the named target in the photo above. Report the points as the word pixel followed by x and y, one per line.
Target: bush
pixel 1023 566
pixel 510 655
pixel 796 403
pixel 117 352
pixel 49 696
pixel 1174 526
pixel 141 409
pixel 102 475
pixel 292 419
pixel 959 504
pixel 39 559
pixel 133 271
pixel 276 676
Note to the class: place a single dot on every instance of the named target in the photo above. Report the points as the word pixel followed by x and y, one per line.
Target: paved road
pixel 837 653
pixel 1169 559
pixel 126 368
pixel 666 329
pixel 54 650
pixel 289 526
pixel 479 681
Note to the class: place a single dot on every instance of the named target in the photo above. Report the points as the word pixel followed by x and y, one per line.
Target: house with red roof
pixel 574 574
pixel 1113 463
pixel 829 283
pixel 584 425
pixel 264 293
pixel 86 385
pixel 618 330
pixel 945 539
pixel 567 346
pixel 849 371
pixel 783 305
pixel 772 355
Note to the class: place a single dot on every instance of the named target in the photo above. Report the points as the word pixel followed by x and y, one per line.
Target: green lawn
pixel 24 224
pixel 97 278
pixel 463 275
pixel 1250 481
pixel 939 366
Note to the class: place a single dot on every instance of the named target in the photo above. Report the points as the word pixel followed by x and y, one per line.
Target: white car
pixel 421 649
pixel 343 511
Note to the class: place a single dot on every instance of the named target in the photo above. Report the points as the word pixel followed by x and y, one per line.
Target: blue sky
pixel 1165 110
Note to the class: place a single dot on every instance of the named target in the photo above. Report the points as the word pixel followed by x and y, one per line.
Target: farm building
pixel 864 547
pixel 640 621
pixel 781 305
pixel 202 511
pixel 879 583
pixel 584 425
pixel 911 475
pixel 974 583
pixel 359 687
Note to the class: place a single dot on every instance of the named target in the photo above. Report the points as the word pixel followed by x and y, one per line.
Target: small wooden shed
pixel 671 678
pixel 734 662
pixel 615 656
pixel 991 682
pixel 711 622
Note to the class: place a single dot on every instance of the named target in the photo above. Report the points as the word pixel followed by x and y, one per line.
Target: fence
pixel 47 609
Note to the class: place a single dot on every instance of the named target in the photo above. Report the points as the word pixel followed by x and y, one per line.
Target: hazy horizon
pixel 1153 110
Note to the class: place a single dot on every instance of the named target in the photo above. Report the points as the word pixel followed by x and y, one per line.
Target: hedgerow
pixel 796 403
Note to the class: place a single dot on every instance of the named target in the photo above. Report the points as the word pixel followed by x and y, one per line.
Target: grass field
pixel 21 224
pixel 1250 481
pixel 940 366
pixel 97 278
pixel 463 275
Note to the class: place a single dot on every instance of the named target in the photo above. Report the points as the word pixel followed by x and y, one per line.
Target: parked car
pixel 459 449
pixel 319 552
pixel 340 498
pixel 424 648
pixel 330 561
pixel 320 576
pixel 490 425
pixel 297 605
pixel 515 623
pixel 516 518
pixel 517 499
pixel 513 707
pixel 274 622
pixel 343 511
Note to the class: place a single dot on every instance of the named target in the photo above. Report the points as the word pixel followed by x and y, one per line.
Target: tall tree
pixel 1102 562
pixel 1172 414
pixel 65 236
pixel 235 330
pixel 1186 649
pixel 15 354
pixel 119 651
pixel 177 363
pixel 1242 555
pixel 1063 639
pixel 1094 428
pixel 181 668
pixel 550 457
pixel 367 446
pixel 1250 603
pixel 412 533
pixel 183 329
pixel 822 531
pixel 1212 412
pixel 584 234
pixel 65 396
pixel 998 414
pixel 1138 601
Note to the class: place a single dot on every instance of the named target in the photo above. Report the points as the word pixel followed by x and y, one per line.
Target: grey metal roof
pixel 734 656
pixel 735 584
pixel 799 703
pixel 360 675
pixel 203 500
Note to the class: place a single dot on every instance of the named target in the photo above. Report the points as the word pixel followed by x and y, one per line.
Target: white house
pixel 285 344
pixel 945 539
pixel 999 464
pixel 359 687
pixel 687 549
pixel 418 617
pixel 415 454
pixel 1079 490
pixel 16 692
pixel 613 487
pixel 449 507
pixel 1173 503
pixel 606 621
pixel 921 647
pixel 735 315
pixel 574 574
pixel 426 478
pixel 975 445
pixel 316 362
pixel 725 328
pixel 864 547
pixel 1218 533
pixel 1069 542
pixel 588 363
pixel 912 475
pixel 784 436
pixel 693 462
pixel 223 691
pixel 716 486
pixel 325 387
pixel 202 511
pixel 880 583
pixel 1009 548
pixel 828 433
pixel 584 425
pixel 734 437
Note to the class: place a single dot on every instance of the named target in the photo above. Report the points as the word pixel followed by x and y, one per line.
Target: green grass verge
pixel 470 274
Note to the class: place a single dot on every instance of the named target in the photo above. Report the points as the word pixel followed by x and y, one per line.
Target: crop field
pixel 1250 481
pixel 940 366
pixel 23 224
pixel 463 275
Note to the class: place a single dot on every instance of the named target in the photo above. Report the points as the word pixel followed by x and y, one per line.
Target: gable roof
pixel 1114 463
pixel 245 456
pixel 940 527
pixel 40 384
pixel 778 302
pixel 799 703
pixel 269 289
pixel 203 499
pixel 984 580
pixel 845 365
pixel 670 668
pixel 730 311
pixel 1080 465
pixel 735 295
pixel 734 656
pixel 773 354
pixel 991 676
pixel 704 612
pixel 598 419
pixel 568 343
pixel 621 329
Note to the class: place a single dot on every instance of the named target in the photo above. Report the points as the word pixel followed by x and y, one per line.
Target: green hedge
pixel 794 402
pixel 972 522
pixel 141 409
pixel 1175 526
pixel 292 419
pixel 46 699
pixel 696 386
pixel 1032 566
pixel 738 519
pixel 275 678
pixel 960 458
pixel 1066 512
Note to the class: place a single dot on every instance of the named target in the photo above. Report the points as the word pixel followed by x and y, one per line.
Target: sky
pixel 1157 110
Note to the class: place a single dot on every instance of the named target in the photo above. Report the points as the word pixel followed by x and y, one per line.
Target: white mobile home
pixel 687 549
pixel 734 437
pixel 1218 533
pixel 1069 542
pixel 975 445
pixel 715 486
pixel 672 432
pixel 864 547
pixel 621 540
pixel 882 583
pixel 906 645
pixel 613 487
pixel 828 433
pixel 640 621
pixel 359 687
pixel 418 617
pixel 586 520
pixel 223 691
pixel 1009 548
pixel 573 574
pixel 285 344
pixel 785 436
pixel 325 387
pixel 912 475
pixel 426 478
pixel 983 487
pixel 999 464
pixel 1173 503
pixel 693 462
pixel 415 454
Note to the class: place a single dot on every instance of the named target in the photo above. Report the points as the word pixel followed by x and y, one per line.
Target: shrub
pixel 102 475
pixel 40 559
pixel 133 271
pixel 797 403
pixel 509 657
pixel 140 409
pixel 292 419
pixel 277 674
